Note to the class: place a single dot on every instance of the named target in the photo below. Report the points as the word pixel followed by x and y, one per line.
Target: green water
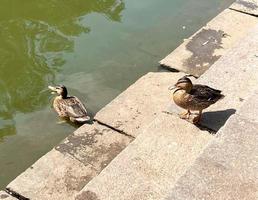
pixel 96 48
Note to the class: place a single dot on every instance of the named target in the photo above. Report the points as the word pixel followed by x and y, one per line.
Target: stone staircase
pixel 228 166
pixel 137 148
pixel 172 159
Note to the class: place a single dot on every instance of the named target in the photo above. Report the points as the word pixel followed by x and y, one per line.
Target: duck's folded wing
pixel 205 93
pixel 76 108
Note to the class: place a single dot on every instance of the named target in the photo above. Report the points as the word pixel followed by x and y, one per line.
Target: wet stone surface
pixel 87 195
pixel 64 171
pixel 94 144
pixel 5 196
pixel 202 46
pixel 246 6
pixel 198 53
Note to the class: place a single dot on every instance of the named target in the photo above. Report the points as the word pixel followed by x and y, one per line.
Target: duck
pixel 68 107
pixel 194 97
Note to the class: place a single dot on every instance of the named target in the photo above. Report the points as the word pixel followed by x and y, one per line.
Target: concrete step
pixel 137 106
pixel 196 54
pixel 246 6
pixel 64 171
pixel 146 168
pixel 6 196
pixel 156 158
pixel 228 167
pixel 236 74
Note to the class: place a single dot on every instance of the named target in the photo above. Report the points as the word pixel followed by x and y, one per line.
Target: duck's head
pixel 60 90
pixel 183 83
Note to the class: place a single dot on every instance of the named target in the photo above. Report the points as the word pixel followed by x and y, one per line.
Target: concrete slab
pixel 227 168
pixel 157 157
pixel 54 176
pixel 72 164
pixel 246 6
pixel 5 196
pixel 236 74
pixel 94 144
pixel 204 48
pixel 140 103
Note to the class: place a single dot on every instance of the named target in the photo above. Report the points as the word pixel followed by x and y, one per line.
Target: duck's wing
pixel 74 107
pixel 203 93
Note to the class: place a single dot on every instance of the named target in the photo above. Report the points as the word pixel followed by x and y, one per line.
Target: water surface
pixel 96 48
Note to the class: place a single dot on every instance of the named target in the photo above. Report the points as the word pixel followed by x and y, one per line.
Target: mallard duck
pixel 69 107
pixel 194 97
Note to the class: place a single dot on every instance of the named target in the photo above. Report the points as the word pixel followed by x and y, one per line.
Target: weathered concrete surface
pixel 246 6
pixel 54 176
pixel 5 196
pixel 94 144
pixel 227 169
pixel 140 103
pixel 196 55
pixel 236 74
pixel 64 171
pixel 249 110
pixel 156 158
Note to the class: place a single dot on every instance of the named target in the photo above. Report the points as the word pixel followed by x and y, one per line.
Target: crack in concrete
pixel 249 5
pixel 15 194
pixel 113 128
pixel 243 12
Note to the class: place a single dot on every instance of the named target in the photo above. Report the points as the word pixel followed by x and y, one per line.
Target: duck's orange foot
pixel 185 115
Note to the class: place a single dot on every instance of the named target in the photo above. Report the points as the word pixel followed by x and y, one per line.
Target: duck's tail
pixel 84 119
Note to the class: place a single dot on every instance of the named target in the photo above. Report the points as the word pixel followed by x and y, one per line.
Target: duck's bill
pixel 53 89
pixel 172 87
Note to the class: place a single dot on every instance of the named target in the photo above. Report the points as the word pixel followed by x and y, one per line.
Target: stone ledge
pixel 236 74
pixel 5 196
pixel 227 168
pixel 65 170
pixel 246 6
pixel 156 158
pixel 94 144
pixel 204 48
pixel 54 176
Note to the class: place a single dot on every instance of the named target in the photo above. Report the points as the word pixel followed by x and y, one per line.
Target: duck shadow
pixel 214 120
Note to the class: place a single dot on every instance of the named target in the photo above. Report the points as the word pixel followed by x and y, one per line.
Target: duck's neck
pixel 61 97
pixel 64 96
pixel 179 91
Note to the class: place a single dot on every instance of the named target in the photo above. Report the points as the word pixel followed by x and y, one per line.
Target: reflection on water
pixel 94 47
pixel 34 37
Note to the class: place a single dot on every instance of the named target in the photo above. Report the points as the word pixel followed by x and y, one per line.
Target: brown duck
pixel 69 107
pixel 194 97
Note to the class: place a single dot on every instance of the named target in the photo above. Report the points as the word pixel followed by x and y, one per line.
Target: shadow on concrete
pixel 216 119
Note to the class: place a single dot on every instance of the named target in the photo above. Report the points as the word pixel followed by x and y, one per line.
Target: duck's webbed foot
pixel 185 115
pixel 197 119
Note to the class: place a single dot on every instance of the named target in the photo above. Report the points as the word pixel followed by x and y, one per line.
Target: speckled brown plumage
pixel 194 97
pixel 69 106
